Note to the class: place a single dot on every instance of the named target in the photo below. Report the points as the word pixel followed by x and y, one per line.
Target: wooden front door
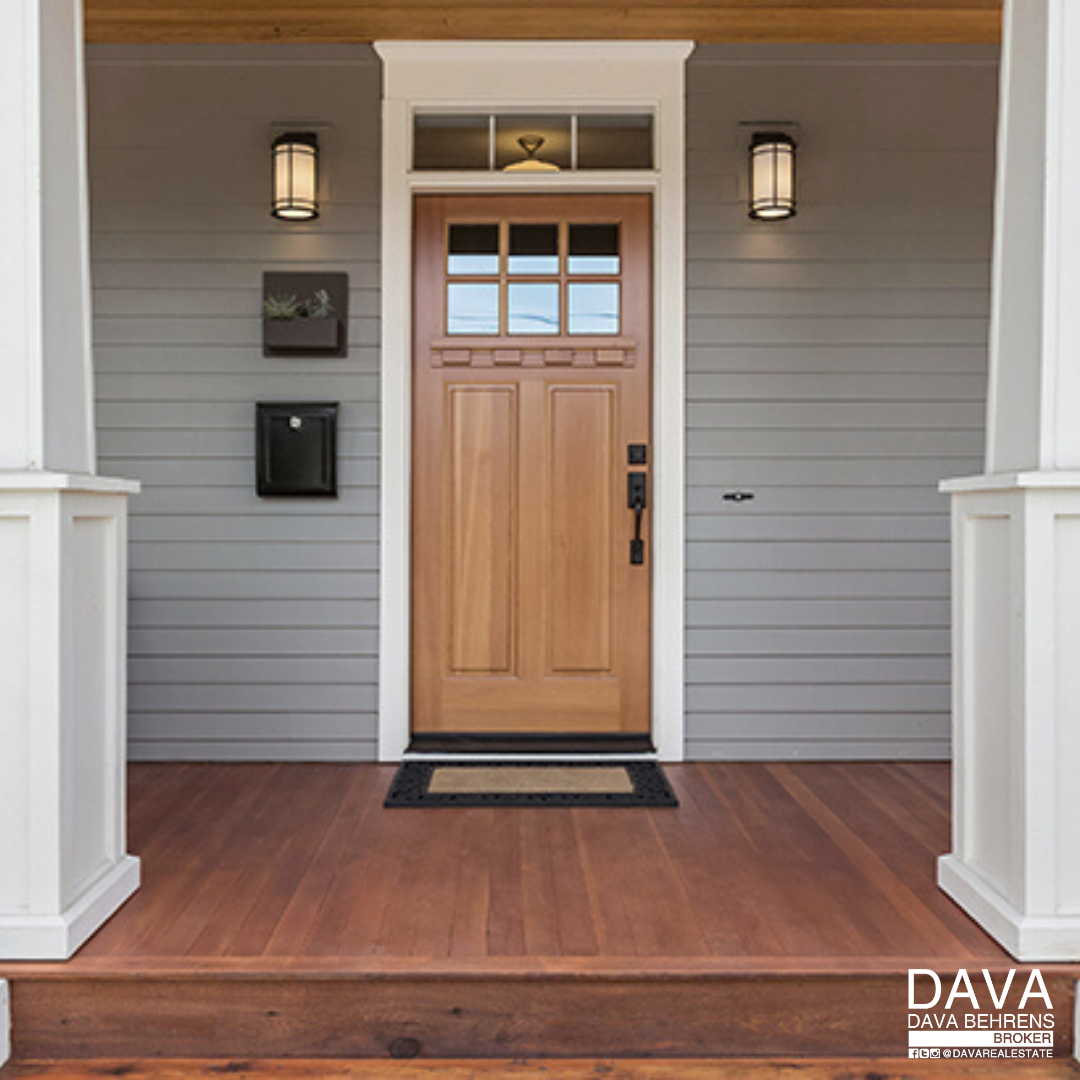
pixel 531 382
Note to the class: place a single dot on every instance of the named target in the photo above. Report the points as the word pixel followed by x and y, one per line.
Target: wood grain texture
pixel 483 530
pixel 583 436
pixel 492 1016
pixel 884 21
pixel 745 1069
pixel 285 913
pixel 527 615
pixel 264 869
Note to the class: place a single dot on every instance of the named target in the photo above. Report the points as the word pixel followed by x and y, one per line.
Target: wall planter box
pixel 305 336
pixel 301 335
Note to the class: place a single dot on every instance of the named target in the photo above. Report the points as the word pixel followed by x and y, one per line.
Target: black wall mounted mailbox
pixel 296 449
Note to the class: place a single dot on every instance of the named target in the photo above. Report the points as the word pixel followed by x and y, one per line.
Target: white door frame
pixel 531 77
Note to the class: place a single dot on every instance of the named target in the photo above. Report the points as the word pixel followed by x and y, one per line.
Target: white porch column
pixel 63 865
pixel 1015 865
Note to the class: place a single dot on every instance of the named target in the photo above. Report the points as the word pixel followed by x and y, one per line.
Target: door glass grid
pixel 532 279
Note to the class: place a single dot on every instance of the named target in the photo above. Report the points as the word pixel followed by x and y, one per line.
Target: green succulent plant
pixel 287 306
pixel 318 306
pixel 282 306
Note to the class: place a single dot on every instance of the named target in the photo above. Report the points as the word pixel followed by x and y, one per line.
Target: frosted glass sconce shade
pixel 296 177
pixel 772 176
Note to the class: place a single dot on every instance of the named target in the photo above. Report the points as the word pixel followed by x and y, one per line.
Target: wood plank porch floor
pixel 804 863
pixel 285 913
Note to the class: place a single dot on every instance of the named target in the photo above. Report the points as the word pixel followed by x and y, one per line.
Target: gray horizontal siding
pixel 905 747
pixel 231 616
pixel 251 749
pixel 253 622
pixel 836 368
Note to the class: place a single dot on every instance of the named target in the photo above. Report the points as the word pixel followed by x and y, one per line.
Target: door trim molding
pixel 507 76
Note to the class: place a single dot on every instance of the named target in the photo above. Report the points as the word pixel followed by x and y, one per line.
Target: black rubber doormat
pixel 530 783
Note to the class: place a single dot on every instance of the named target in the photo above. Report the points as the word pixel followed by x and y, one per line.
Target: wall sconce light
pixel 772 176
pixel 296 176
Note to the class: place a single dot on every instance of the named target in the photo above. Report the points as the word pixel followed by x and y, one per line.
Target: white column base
pixel 1032 939
pixel 1015 860
pixel 58 937
pixel 64 867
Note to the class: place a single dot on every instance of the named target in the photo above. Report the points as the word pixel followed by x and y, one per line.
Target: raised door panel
pixel 481 459
pixel 580 507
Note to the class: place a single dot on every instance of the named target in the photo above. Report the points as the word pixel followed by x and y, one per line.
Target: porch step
pixel 849 1069
pixel 426 1015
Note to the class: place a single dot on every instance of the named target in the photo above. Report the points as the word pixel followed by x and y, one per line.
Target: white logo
pixel 962 988
pixel 973 1021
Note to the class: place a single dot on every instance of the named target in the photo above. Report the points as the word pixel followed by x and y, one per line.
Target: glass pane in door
pixel 472 308
pixel 594 249
pixel 473 249
pixel 534 249
pixel 593 308
pixel 533 308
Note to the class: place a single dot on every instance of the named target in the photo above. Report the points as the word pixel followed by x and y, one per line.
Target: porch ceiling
pixel 345 21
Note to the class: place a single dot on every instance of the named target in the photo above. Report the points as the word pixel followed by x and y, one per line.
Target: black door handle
pixel 637 498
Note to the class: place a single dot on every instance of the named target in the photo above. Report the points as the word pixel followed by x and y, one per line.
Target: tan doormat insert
pixel 530 779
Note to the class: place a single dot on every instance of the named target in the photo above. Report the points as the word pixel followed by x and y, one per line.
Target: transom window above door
pixel 533 279
pixel 532 143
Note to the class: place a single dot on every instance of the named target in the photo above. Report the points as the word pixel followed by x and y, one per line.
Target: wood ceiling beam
pixel 734 21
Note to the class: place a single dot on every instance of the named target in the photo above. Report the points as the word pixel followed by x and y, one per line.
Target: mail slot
pixel 296 449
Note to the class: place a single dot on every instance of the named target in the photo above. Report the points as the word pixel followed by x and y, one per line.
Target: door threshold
pixel 530 744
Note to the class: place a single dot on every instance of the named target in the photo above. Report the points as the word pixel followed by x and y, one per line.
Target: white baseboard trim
pixel 1032 939
pixel 58 937
pixel 5 1022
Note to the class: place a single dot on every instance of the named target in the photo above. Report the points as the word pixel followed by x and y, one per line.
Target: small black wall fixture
pixel 295 157
pixel 772 176
pixel 296 449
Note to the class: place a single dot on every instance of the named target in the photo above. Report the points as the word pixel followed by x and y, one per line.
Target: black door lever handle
pixel 637 499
